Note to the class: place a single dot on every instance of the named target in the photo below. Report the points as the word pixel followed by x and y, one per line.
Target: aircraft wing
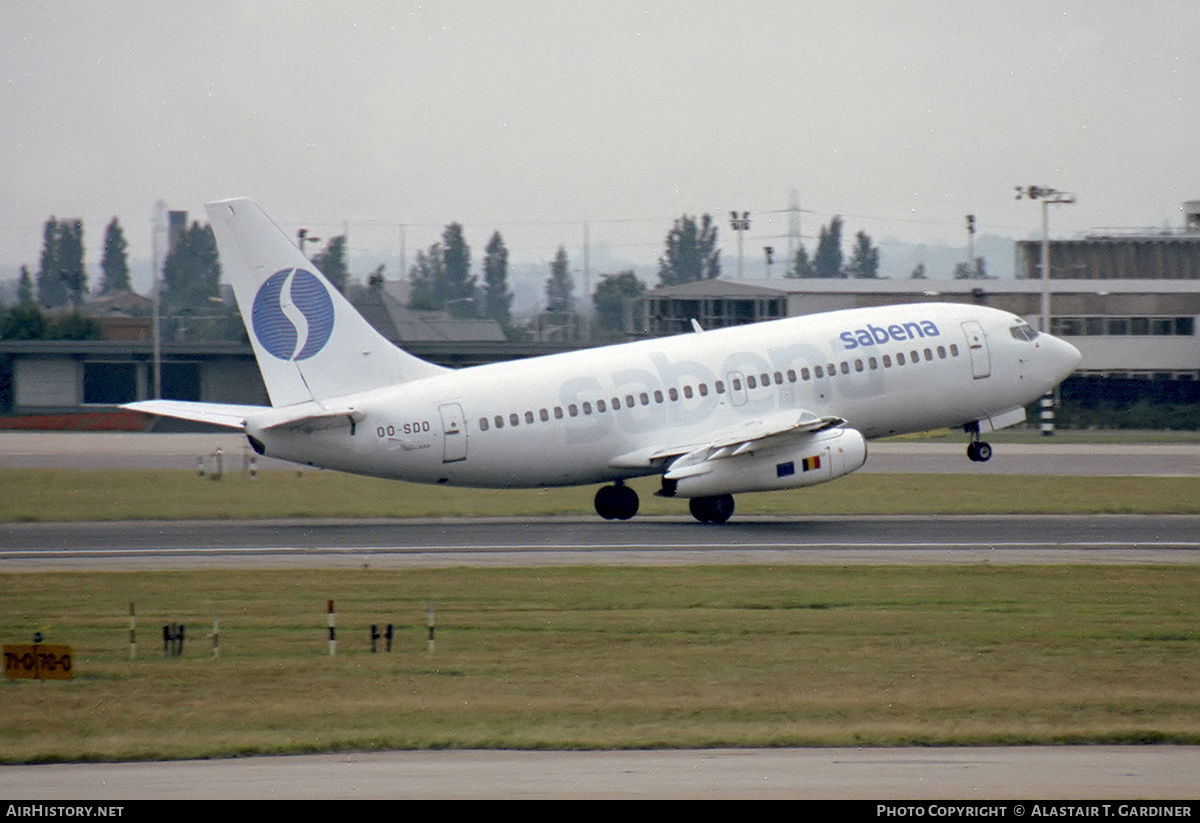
pixel 744 437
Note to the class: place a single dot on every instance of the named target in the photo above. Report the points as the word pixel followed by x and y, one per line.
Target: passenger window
pixel 720 386
pixel 558 413
pixel 645 398
pixel 858 365
pixel 545 415
pixel 887 361
pixel 704 390
pixel 629 400
pixel 805 374
pixel 687 392
pixel 791 375
pixel 928 354
pixel 528 417
pixel 587 407
pixel 483 424
pixel 820 372
pixel 513 420
pixel 900 359
pixel 499 422
pixel 673 393
pixel 658 396
pixel 872 363
pixel 573 410
pixel 954 350
pixel 616 403
pixel 941 352
pixel 751 383
pixel 600 407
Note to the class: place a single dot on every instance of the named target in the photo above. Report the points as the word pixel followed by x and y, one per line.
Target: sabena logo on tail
pixel 292 315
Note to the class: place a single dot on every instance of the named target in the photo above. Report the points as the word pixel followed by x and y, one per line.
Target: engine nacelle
pixel 816 458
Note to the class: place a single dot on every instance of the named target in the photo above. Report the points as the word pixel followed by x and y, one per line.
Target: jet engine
pixel 807 460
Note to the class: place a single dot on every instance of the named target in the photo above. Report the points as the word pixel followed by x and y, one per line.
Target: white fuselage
pixel 576 418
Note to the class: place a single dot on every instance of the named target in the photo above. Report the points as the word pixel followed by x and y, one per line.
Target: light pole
pixel 739 224
pixel 1048 196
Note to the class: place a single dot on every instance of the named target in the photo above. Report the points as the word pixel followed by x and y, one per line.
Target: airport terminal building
pixel 1130 302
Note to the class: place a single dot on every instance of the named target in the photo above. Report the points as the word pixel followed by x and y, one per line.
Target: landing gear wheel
pixel 618 502
pixel 716 509
pixel 979 452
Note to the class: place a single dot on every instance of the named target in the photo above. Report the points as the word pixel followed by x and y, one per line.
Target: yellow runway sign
pixel 37 661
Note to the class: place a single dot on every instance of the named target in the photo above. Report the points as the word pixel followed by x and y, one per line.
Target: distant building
pixel 385 307
pixel 1129 300
pixel 72 376
pixel 714 304
pixel 123 315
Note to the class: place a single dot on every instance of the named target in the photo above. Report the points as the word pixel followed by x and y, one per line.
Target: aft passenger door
pixel 454 433
pixel 981 360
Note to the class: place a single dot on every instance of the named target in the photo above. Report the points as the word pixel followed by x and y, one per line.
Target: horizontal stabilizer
pixel 218 414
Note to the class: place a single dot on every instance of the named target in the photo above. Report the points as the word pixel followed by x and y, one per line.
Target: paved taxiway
pixel 1074 773
pixel 1160 772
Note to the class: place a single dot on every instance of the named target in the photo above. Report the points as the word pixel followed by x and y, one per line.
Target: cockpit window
pixel 1023 331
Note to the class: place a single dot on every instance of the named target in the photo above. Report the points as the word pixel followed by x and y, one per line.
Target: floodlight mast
pixel 739 223
pixel 1048 196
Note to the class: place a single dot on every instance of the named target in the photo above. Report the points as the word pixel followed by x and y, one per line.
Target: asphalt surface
pixel 1080 774
pixel 1173 539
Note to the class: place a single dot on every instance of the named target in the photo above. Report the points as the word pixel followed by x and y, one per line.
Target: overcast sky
pixel 536 118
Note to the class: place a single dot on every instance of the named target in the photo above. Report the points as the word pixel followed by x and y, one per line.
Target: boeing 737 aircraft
pixel 775 405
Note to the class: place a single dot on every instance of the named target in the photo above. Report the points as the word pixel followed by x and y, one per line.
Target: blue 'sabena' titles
pixel 876 335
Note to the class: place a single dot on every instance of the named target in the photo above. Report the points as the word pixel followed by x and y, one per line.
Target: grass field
pixel 598 657
pixel 51 494
pixel 607 658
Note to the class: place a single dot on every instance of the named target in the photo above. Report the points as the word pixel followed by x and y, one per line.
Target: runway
pixel 551 541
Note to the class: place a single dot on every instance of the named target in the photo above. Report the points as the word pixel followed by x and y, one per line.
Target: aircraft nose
pixel 1061 357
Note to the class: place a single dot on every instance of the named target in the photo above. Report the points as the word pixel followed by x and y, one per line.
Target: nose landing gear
pixel 977 450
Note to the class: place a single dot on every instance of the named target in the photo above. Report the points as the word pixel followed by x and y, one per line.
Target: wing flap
pixel 741 438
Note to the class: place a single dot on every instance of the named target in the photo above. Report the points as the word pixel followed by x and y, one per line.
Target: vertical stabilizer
pixel 311 344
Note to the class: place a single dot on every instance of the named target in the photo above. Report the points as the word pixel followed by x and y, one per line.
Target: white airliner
pixel 774 405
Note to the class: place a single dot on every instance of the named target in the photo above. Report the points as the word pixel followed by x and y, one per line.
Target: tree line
pixel 441 278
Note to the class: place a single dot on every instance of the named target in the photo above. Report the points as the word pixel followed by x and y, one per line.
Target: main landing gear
pixel 716 509
pixel 619 502
pixel 616 502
